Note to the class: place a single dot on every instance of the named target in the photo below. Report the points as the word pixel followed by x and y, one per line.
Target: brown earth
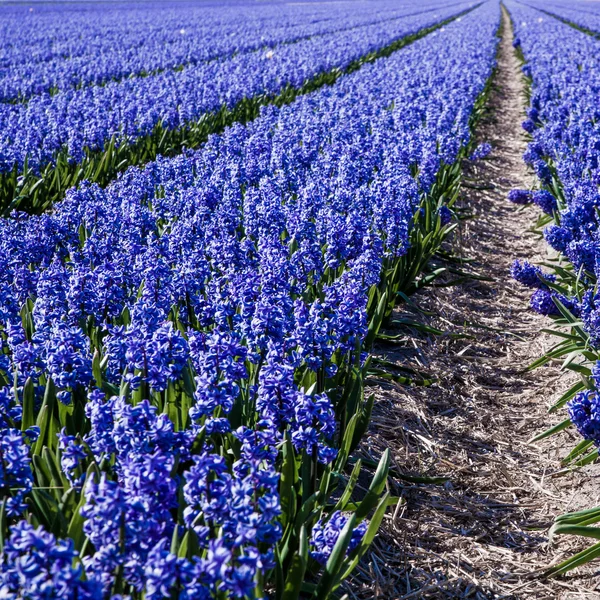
pixel 482 534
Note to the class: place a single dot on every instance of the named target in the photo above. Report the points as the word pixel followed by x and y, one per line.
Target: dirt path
pixel 483 534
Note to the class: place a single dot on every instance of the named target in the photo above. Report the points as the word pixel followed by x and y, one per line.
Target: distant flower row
pixel 53 50
pixel 76 121
pixel 581 14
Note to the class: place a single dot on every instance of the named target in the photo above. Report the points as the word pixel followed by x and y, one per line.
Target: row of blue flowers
pixel 182 354
pixel 54 141
pixel 49 50
pixel 561 65
pixel 74 121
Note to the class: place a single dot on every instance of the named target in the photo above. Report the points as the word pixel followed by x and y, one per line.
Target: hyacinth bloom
pixel 545 200
pixel 584 414
pixel 482 151
pixel 325 534
pixel 37 565
pixel 543 298
pixel 542 302
pixel 530 275
pixel 520 196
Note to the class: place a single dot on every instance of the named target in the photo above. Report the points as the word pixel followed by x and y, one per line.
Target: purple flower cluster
pixel 542 302
pixel 584 414
pixel 219 361
pixel 71 455
pixel 482 151
pixel 128 517
pixel 67 358
pixel 326 533
pixel 546 201
pixel 146 352
pixel 242 506
pixel 520 196
pixel 35 564
pixel 16 478
pixel 530 275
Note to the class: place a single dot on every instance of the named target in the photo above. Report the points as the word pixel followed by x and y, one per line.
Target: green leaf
pixel 297 569
pixel 288 482
pixel 581 558
pixel 45 417
pixel 581 517
pixel 307 471
pixel 28 418
pixel 587 459
pixel 362 423
pixel 347 494
pixel 570 393
pixel 405 322
pixel 554 429
pixel 376 488
pixel 419 478
pixel 401 379
pixel 48 512
pixel 579 369
pixel 580 449
pixel 369 536
pixel 57 480
pixel 568 315
pixel 569 362
pixel 41 471
pixel 561 334
pixel 75 530
pixel 376 321
pixel 557 351
pixel 344 450
pixel 189 545
pixel 96 369
pixel 567 529
pixel 352 396
pixel 3 526
pixel 306 512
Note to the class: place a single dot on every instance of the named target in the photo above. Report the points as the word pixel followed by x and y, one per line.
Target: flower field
pixel 210 216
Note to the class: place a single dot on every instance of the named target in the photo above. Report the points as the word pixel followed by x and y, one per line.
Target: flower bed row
pixel 583 16
pixel 96 45
pixel 564 149
pixel 183 353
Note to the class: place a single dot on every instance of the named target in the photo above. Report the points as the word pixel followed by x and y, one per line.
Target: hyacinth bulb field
pixel 299 299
